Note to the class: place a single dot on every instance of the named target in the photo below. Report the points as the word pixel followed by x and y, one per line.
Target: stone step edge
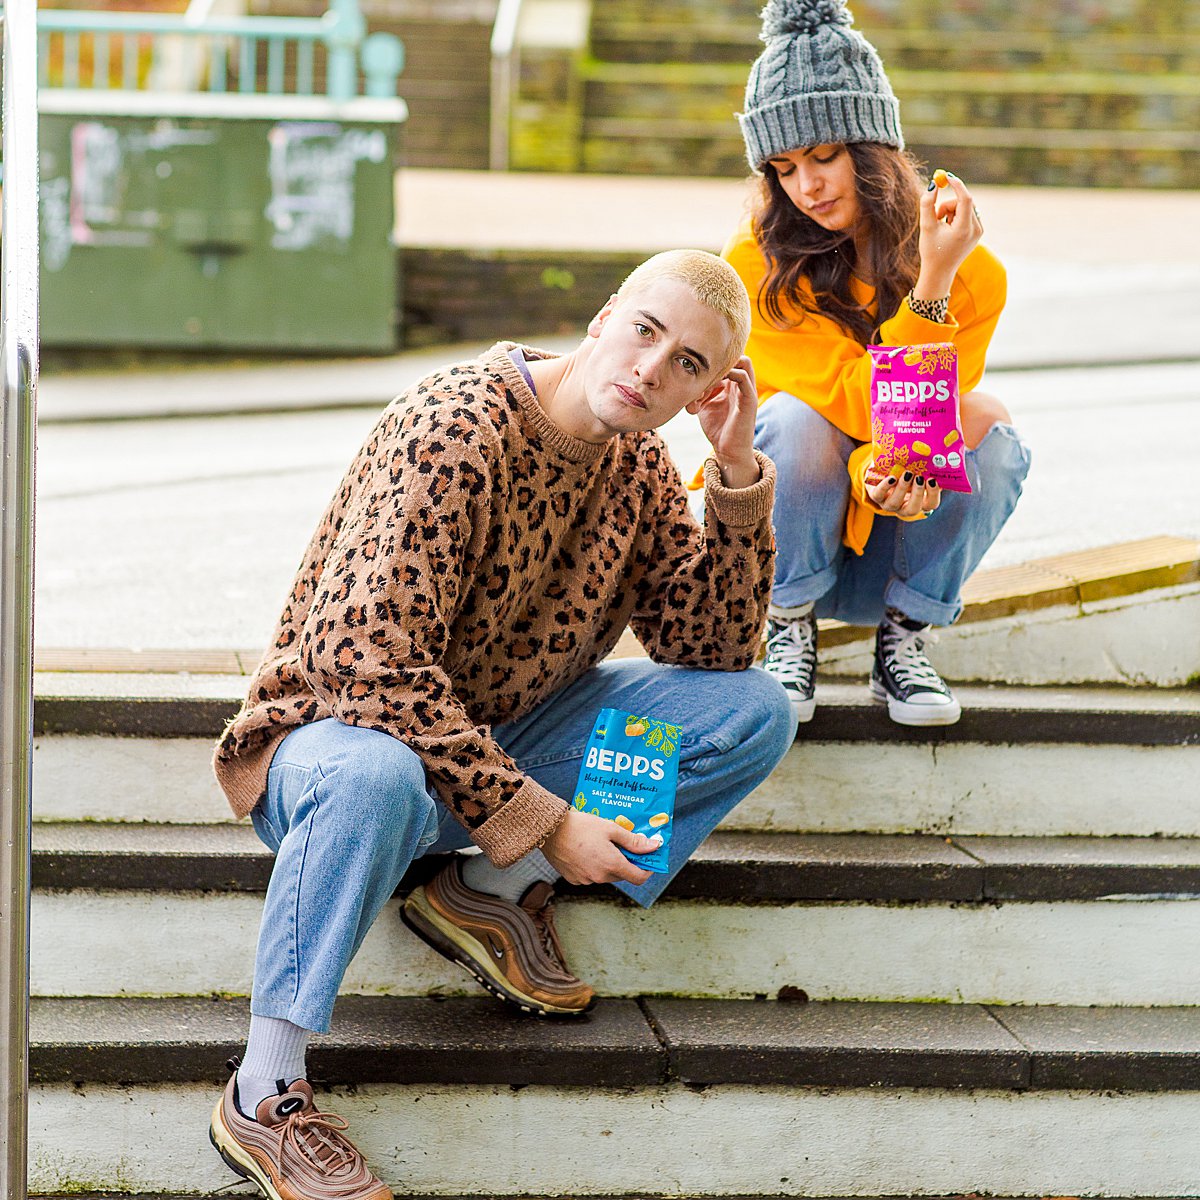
pixel 745 29
pixel 160 706
pixel 628 1044
pixel 658 130
pixel 1074 579
pixel 1036 82
pixel 729 867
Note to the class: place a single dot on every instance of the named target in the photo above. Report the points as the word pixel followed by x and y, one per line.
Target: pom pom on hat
pixel 781 18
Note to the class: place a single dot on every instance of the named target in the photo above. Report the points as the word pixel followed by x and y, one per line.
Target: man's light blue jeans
pixel 918 567
pixel 348 809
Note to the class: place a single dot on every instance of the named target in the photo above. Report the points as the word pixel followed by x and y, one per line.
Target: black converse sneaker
pixel 904 679
pixel 792 659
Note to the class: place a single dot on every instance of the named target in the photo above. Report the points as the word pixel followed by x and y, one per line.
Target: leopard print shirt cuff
pixel 931 310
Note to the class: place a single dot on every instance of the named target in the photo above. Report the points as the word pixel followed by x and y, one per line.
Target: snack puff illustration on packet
pixel 915 422
pixel 629 774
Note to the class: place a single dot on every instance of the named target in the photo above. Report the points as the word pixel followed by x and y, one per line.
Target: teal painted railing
pixel 231 54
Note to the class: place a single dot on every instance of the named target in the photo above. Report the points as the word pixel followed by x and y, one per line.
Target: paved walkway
pixel 1094 277
pixel 185 533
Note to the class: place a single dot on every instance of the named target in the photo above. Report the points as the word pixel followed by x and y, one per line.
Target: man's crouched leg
pixel 736 728
pixel 346 810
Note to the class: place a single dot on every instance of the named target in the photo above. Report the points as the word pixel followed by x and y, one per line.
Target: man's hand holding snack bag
pixel 586 848
pixel 624 802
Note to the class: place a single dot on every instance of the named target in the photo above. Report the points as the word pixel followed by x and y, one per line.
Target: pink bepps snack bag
pixel 915 423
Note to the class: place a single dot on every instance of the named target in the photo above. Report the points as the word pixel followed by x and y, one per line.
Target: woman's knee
pixel 1001 461
pixel 810 453
pixel 979 412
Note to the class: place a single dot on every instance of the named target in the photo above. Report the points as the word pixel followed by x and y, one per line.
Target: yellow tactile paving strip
pixel 1085 576
pixel 115 660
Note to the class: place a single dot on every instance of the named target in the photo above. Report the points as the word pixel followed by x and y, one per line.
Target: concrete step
pixel 154 911
pixel 909 50
pixel 1023 761
pixel 729 868
pixel 952 25
pixel 666 1097
pixel 637 1043
pixel 159 706
pixel 700 91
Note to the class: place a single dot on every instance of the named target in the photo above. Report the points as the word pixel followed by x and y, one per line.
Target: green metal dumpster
pixel 200 220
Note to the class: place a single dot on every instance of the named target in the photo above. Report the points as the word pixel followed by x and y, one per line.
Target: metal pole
pixel 503 50
pixel 18 384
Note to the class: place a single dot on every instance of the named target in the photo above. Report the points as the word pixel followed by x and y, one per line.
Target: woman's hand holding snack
pixel 904 495
pixel 727 418
pixel 584 849
pixel 950 230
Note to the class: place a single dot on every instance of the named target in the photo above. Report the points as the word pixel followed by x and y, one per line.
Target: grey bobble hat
pixel 819 80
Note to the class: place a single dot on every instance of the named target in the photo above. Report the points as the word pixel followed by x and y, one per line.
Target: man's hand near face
pixel 727 417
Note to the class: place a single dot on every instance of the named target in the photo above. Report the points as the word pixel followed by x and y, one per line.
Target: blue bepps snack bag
pixel 629 774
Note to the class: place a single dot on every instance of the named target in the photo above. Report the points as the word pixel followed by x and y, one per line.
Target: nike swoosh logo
pixel 497 951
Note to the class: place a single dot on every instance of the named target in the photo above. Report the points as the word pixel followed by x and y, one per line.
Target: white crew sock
pixel 511 883
pixel 275 1051
pixel 780 613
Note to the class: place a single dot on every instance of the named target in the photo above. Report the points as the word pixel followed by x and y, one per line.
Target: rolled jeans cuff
pixel 921 608
pixel 794 592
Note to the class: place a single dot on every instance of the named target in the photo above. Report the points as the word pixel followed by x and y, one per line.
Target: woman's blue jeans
pixel 348 809
pixel 918 567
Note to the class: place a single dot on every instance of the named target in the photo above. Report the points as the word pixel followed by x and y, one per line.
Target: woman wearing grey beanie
pixel 846 248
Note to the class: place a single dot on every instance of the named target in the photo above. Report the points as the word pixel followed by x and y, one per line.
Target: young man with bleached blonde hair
pixel 442 658
pixel 718 289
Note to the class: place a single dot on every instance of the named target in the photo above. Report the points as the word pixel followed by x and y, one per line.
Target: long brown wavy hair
pixel 798 250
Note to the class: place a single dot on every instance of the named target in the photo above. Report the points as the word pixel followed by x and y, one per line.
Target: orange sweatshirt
pixel 818 362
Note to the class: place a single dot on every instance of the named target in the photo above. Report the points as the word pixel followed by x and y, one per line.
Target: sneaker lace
pixel 317 1136
pixel 909 665
pixel 792 650
pixel 543 922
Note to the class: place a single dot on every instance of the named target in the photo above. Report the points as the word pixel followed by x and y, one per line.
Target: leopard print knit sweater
pixel 475 560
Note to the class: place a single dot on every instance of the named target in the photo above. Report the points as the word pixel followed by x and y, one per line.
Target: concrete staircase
pixel 911 963
pixel 1102 94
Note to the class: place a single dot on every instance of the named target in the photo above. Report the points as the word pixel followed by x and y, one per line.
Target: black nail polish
pixel 931 186
pixel 920 480
pixel 933 483
pixel 907 476
pixel 891 480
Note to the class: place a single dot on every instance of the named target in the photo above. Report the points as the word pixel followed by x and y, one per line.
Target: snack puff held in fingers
pixel 915 422
pixel 629 774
